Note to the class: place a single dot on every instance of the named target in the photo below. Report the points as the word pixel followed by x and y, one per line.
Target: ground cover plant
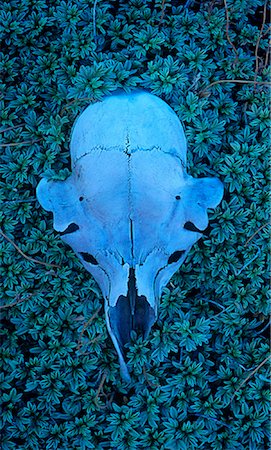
pixel 201 379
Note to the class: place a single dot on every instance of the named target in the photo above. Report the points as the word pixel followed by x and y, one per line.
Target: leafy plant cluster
pixel 200 380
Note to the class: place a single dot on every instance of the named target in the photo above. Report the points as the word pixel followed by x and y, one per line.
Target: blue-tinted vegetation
pixel 200 380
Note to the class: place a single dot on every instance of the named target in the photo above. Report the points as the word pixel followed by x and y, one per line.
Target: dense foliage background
pixel 200 380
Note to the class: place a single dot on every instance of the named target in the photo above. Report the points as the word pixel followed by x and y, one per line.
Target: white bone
pixel 124 208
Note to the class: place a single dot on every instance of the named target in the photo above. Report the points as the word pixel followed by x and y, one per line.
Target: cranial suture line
pixel 130 218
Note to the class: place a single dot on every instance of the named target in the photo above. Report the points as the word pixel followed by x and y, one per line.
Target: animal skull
pixel 129 210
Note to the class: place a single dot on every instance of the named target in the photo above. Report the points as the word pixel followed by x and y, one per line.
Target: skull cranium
pixel 129 210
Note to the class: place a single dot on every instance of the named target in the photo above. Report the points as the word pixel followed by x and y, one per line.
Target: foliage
pixel 60 375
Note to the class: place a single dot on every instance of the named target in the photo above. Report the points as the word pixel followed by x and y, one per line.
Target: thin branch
pixel 94 315
pixel 256 232
pixel 14 144
pixel 212 418
pixel 217 304
pixel 16 302
pixel 100 387
pixel 95 339
pixel 219 314
pixel 258 42
pixel 264 328
pixel 78 318
pixel 266 58
pixel 108 400
pixel 94 19
pixel 150 383
pixel 267 31
pixel 250 375
pixel 11 128
pixel 36 261
pixel 92 341
pixel 265 83
pixel 92 99
pixel 248 262
pixel 227 31
pixel 162 12
pixel 27 200
pixel 19 300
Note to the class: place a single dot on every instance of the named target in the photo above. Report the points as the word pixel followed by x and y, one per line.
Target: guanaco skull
pixel 129 210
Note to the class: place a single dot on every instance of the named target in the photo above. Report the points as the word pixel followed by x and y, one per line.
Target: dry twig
pixel 94 19
pixel 92 341
pixel 227 32
pixel 16 302
pixel 220 313
pixel 36 261
pixel 14 144
pixel 26 200
pixel 266 58
pixel 150 383
pixel 237 272
pixel 19 300
pixel 79 345
pixel 256 232
pixel 91 99
pixel 162 12
pixel 11 128
pixel 258 42
pixel 205 90
pixel 250 375
pixel 100 387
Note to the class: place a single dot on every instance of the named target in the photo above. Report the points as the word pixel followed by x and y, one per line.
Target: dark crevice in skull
pixel 132 238
pixel 191 227
pixel 132 290
pixel 89 258
pixel 70 229
pixel 175 256
pixel 131 313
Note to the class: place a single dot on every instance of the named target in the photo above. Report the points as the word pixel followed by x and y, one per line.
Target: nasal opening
pixel 132 312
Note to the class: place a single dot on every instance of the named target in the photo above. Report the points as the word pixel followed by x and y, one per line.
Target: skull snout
pixel 131 313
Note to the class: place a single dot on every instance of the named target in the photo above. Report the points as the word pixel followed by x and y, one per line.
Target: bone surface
pixel 129 210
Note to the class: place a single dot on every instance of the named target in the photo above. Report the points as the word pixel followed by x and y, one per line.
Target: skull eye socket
pixel 191 227
pixel 70 229
pixel 89 258
pixel 174 257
